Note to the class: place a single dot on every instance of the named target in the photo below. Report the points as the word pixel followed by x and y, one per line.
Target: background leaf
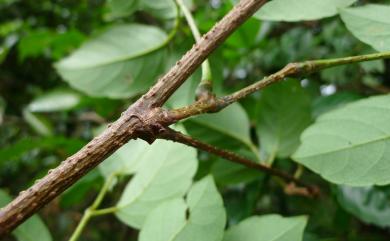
pixel 82 189
pixel 324 104
pixel 267 228
pixel 125 161
pixel 119 63
pixel 35 43
pixel 165 9
pixel 205 221
pixel 165 172
pixel 52 143
pixel 48 43
pixel 369 204
pixel 229 173
pixel 39 123
pixel 297 10
pixel 350 145
pixel 222 128
pixel 370 24
pixel 58 100
pixel 122 8
pixel 284 111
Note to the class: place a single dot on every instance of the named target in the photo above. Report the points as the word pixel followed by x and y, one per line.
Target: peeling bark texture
pixel 143 120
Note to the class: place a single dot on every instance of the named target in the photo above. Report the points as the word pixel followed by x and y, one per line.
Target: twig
pixel 169 134
pixel 292 69
pixel 89 212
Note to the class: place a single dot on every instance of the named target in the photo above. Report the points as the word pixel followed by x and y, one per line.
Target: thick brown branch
pixel 169 134
pixel 140 120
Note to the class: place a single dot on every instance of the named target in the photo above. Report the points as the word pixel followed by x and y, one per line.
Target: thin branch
pixel 292 69
pixel 105 211
pixel 301 69
pixel 204 89
pixel 169 134
pixel 90 211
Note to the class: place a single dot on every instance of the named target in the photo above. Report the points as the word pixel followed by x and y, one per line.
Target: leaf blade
pixel 166 172
pixel 370 24
pixel 118 63
pixel 268 228
pixel 206 219
pixel 284 112
pixel 369 204
pixel 350 145
pixel 298 10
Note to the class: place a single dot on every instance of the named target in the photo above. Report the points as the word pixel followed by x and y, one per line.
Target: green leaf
pixel 4 52
pixel 63 43
pixel 325 104
pixel 241 201
pixel 35 43
pixel 5 3
pixel 119 63
pixel 4 198
pixel 310 237
pixel 58 100
pixel 369 204
pixel 370 24
pixel 245 36
pixel 121 8
pixel 48 43
pixel 298 10
pixel 40 124
pixel 350 145
pixel 268 228
pixel 228 173
pixel 30 230
pixel 206 216
pixel 126 160
pixel 9 27
pixel 54 143
pixel 228 128
pixel 284 112
pixel 164 9
pixel 376 66
pixel 165 172
pixel 81 190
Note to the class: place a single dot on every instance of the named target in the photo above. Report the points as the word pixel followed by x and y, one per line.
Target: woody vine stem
pixel 146 119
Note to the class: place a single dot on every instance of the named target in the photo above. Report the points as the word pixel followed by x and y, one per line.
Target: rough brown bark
pixel 142 120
